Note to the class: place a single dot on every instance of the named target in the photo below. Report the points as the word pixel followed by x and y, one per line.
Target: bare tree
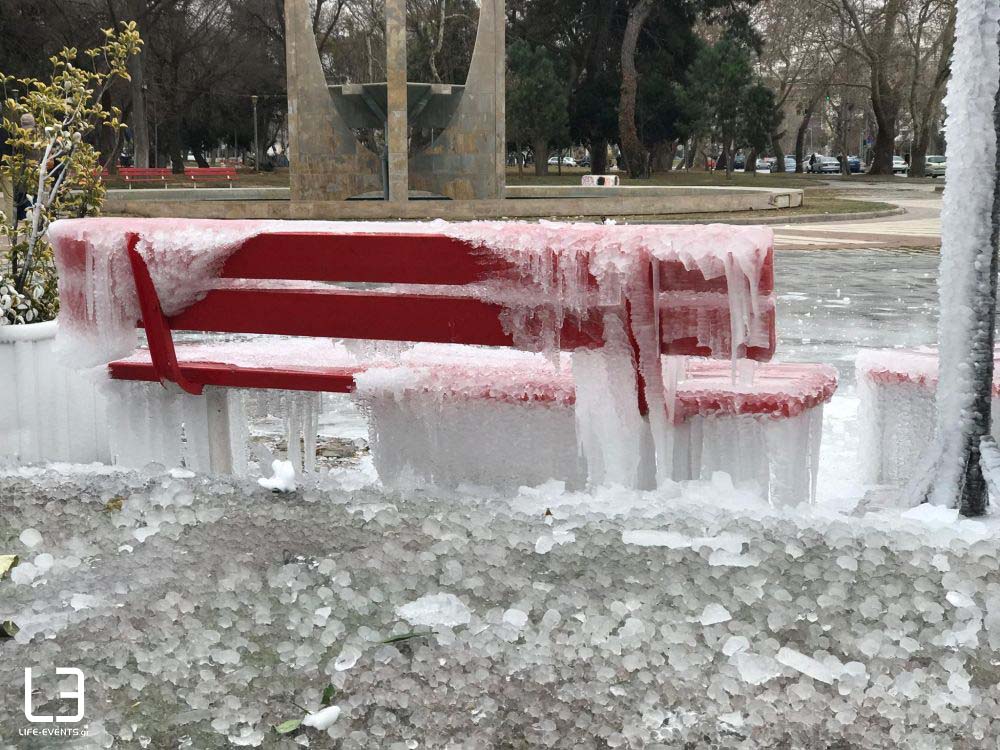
pixel 929 27
pixel 793 58
pixel 874 38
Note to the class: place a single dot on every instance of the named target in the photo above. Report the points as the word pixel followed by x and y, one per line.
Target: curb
pixel 798 219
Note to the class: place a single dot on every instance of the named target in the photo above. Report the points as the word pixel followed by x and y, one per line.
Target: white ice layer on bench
pixel 898 390
pixel 507 419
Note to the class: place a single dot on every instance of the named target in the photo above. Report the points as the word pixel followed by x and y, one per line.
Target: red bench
pixel 282 282
pixel 389 315
pixel 211 174
pixel 144 174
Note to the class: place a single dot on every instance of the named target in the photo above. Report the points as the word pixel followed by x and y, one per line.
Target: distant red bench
pixel 144 174
pixel 164 175
pixel 211 174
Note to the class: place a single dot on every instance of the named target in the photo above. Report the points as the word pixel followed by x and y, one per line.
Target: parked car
pixel 854 163
pixel 567 161
pixel 739 162
pixel 584 162
pixel 789 163
pixel 899 165
pixel 764 165
pixel 934 166
pixel 824 165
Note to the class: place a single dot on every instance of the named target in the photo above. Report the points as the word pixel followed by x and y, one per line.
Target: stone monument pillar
pixel 397 130
pixel 327 161
pixel 467 161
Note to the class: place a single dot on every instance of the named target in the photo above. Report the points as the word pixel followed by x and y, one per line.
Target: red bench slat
pixel 362 315
pixel 394 259
pixel 332 380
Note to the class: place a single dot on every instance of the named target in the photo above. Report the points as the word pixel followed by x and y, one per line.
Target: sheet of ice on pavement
pixel 831 306
pixel 202 610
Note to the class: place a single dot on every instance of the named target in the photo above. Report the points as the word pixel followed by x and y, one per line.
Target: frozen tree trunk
pixel 967 283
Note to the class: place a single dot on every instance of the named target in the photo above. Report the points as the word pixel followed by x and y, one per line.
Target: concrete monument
pixel 465 158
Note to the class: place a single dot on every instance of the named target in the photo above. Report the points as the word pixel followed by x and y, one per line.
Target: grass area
pixel 821 195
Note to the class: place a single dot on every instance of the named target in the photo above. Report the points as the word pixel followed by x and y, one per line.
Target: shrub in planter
pixel 53 169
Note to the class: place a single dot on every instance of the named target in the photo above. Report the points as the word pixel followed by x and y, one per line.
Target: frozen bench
pixel 897 410
pixel 253 295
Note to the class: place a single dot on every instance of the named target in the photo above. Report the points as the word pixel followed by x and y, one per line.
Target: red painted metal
pixel 363 315
pixel 158 335
pixel 381 315
pixel 387 259
pixel 220 374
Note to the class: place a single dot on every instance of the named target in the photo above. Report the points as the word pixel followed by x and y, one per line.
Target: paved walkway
pixel 919 227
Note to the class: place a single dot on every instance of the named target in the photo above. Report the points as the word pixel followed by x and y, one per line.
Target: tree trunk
pixel 599 156
pixel 751 163
pixel 885 111
pixel 918 156
pixel 663 156
pixel 691 154
pixel 136 64
pixel 634 151
pixel 541 149
pixel 800 134
pixel 672 156
pixel 174 148
pixel 107 140
pixel 199 157
pixel 779 155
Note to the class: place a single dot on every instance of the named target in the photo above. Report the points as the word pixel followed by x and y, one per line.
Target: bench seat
pixel 778 390
pixel 425 406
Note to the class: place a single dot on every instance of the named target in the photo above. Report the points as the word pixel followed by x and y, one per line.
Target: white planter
pixel 48 411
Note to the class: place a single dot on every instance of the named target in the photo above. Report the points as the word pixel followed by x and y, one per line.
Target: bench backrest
pixel 688 301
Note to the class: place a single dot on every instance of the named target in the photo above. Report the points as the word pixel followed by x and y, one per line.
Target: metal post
pixel 256 143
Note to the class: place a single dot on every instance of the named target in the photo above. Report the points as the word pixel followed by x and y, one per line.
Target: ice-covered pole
pixel 967 282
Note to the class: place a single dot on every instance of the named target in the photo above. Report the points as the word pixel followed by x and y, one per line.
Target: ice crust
pixel 244 603
pixel 897 414
pixel 966 227
pixel 508 418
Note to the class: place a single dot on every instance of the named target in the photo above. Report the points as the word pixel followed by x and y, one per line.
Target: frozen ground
pixel 833 303
pixel 204 611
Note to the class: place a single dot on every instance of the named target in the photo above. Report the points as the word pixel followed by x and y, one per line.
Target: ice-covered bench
pixel 897 410
pixel 628 295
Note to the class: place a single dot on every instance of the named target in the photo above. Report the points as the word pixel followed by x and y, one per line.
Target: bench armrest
pixel 158 334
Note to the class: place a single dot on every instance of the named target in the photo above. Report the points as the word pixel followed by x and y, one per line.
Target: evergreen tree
pixel 537 102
